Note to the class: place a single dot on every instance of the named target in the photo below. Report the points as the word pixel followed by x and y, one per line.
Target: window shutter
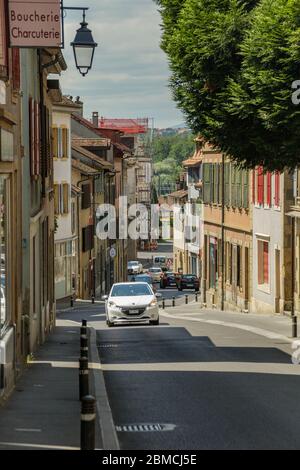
pixel 233 186
pixel 269 188
pixel 245 189
pixel 206 186
pixel 266 263
pixel 216 183
pixel 32 136
pixel 55 141
pixel 238 187
pixel 66 198
pixel 36 138
pixel 65 142
pixel 227 184
pixel 260 185
pixel 253 186
pixel 277 189
pixel 86 196
pixel 16 68
pixel 56 199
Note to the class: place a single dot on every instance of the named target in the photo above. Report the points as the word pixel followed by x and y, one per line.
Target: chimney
pixel 96 119
pixel 80 109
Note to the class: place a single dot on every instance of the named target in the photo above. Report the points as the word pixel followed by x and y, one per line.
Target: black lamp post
pixel 84 48
pixel 83 45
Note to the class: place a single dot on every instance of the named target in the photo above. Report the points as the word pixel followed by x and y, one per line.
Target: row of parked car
pixel 168 279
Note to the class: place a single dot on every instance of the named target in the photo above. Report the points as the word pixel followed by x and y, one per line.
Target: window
pixel 34 135
pixel 88 238
pixel 227 184
pixel 207 171
pixel 61 198
pixel 60 137
pixel 213 266
pixel 263 262
pixel 73 217
pixel 245 189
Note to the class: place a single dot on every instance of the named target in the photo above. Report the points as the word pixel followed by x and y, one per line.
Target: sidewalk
pixel 270 326
pixel 44 410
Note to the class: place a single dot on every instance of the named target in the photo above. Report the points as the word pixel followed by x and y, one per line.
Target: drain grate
pixel 155 427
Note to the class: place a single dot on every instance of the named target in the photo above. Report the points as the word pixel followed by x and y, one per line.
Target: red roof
pixel 128 126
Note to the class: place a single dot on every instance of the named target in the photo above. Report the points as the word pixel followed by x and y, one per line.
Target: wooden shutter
pixel 227 184
pixel 269 188
pixel 238 187
pixel 277 189
pixel 253 186
pixel 32 136
pixel 206 181
pixel 233 186
pixel 266 263
pixel 260 185
pixel 245 189
pixel 36 138
pixel 16 68
pixel 55 141
pixel 65 143
pixel 216 183
pixel 56 199
pixel 66 198
pixel 220 192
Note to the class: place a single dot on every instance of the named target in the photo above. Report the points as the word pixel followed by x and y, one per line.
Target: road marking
pixel 251 329
pixel 27 430
pixel 38 446
pixel 241 367
pixel 155 427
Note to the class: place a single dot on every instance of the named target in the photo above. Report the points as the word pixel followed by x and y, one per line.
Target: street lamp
pixel 84 48
pixel 83 45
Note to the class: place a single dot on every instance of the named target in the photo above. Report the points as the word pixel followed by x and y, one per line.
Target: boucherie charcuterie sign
pixel 35 23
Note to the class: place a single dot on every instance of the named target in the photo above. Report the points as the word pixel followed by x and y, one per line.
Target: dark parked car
pixel 188 281
pixel 168 279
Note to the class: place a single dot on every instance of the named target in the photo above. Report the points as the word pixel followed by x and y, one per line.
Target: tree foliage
pixel 233 63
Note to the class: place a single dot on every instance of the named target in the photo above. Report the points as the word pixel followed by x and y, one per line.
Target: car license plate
pixel 190 285
pixel 133 311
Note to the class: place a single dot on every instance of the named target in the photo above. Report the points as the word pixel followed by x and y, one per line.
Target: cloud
pixel 130 73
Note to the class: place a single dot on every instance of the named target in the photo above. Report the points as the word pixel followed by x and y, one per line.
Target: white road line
pixel 27 430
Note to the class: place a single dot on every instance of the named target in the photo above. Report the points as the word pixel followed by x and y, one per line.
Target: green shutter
pixel 245 189
pixel 233 185
pixel 216 183
pixel 227 184
pixel 206 183
pixel 238 187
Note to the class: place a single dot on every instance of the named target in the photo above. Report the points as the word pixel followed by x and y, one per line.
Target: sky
pixel 130 74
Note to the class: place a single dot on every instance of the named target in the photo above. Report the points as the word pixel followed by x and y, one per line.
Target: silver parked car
pixel 131 302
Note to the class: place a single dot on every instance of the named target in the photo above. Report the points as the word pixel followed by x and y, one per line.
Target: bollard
pixel 186 299
pixel 83 329
pixel 83 377
pixel 72 300
pixel 196 296
pixel 173 301
pixel 163 304
pixel 93 299
pixel 294 326
pixel 84 348
pixel 87 423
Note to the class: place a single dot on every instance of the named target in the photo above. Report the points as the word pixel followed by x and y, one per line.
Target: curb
pixel 105 418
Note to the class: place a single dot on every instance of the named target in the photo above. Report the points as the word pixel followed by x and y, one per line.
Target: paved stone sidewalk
pixel 44 410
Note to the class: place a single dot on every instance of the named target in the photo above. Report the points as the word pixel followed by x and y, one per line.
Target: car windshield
pixel 155 270
pixel 130 290
pixel 133 263
pixel 189 277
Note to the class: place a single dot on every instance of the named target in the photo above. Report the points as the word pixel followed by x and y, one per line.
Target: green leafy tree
pixel 233 63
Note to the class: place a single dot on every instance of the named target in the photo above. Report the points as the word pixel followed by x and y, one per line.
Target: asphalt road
pixel 201 386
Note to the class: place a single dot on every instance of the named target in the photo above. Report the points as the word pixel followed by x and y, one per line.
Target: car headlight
pixel 153 303
pixel 111 304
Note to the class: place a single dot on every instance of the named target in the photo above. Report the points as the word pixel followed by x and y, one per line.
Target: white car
pixel 156 273
pixel 134 267
pixel 131 302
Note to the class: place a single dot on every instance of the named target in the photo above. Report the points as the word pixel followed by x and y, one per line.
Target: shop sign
pixel 35 23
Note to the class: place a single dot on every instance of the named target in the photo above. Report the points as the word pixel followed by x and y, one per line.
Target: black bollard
pixel 87 423
pixel 294 326
pixel 93 299
pixel 173 302
pixel 72 301
pixel 84 348
pixel 186 299
pixel 163 304
pixel 196 296
pixel 83 377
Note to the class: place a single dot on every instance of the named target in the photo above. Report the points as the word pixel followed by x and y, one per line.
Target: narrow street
pixel 214 387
